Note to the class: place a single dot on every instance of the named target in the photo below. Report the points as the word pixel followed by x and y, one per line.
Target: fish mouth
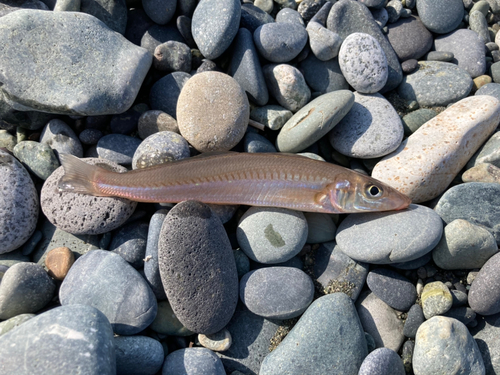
pixel 406 201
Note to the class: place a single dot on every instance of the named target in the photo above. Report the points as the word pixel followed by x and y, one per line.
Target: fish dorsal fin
pixel 214 153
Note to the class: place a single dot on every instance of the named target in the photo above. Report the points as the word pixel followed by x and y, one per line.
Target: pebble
pixel 425 164
pixel 214 25
pixel 271 116
pixel 484 172
pixel 38 158
pixel 327 335
pixel 323 76
pixel 382 361
pixel 271 235
pixel 277 292
pixel 257 143
pixel 479 25
pixel 19 206
pixel 440 16
pixel 47 83
pixel 155 121
pixel 104 280
pixel 314 121
pixel 460 297
pixel 61 138
pixel 464 246
pixel 217 99
pixel 90 136
pixel 363 63
pixel 443 56
pixel 126 122
pixel 165 92
pixel 467 49
pixel 414 120
pixel 192 361
pixel 347 17
pixel 58 262
pixel 74 337
pixel 484 296
pixel 444 345
pixel 409 38
pixel 480 81
pixel 151 269
pixel 7 140
pixel 138 355
pixel 436 83
pixel 436 299
pixel 130 243
pixel 392 288
pixel 196 262
pixel 245 68
pixel 166 322
pixel 252 335
pixel 321 227
pixel 289 15
pixel 118 148
pixel 414 232
pixel 159 148
pixel 79 214
pixel 242 262
pixel 287 85
pixel 14 322
pixel 414 320
pixel 252 17
pixel 217 342
pixel 25 288
pixel 380 321
pixel 172 56
pixel 158 34
pixel 371 129
pixel 476 202
pixel 409 66
pixel 265 5
pixel 336 272
pixel 160 12
pixel 488 153
pixel 324 43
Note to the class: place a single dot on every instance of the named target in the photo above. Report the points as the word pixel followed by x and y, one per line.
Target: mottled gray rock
pixel 38 158
pixel 334 270
pixel 444 345
pixel 380 321
pixel 161 12
pixel 7 140
pixel 158 34
pixel 107 282
pixel 18 204
pixel 436 299
pixel 196 262
pixel 172 56
pixel 440 16
pixel 271 116
pixel 280 42
pixel 371 129
pixel 329 334
pixel 84 214
pixel 467 49
pixel 277 292
pixel 109 69
pixel 25 288
pixel 324 43
pixel 158 148
pixel 287 85
pixel 409 38
pixel 476 202
pixel 130 243
pixel 314 120
pixel 151 269
pixel 414 319
pixel 363 63
pixel 392 288
pixel 382 361
pixel 246 70
pixel 484 294
pixel 271 235
pixel 436 83
pixel 214 25
pixel 61 138
pixel 348 17
pixel 323 76
pixel 138 355
pixel 193 361
pixel 464 246
pixel 370 230
pixel 165 92
pixel 81 333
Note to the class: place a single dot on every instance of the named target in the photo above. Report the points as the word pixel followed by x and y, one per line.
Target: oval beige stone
pixel 212 112
pixel 58 262
pixel 426 163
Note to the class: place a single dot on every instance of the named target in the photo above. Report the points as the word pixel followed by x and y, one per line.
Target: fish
pixel 255 179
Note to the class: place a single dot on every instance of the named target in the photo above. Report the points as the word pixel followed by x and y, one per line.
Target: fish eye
pixel 373 191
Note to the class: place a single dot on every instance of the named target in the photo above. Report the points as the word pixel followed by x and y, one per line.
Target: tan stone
pixel 58 262
pixel 425 164
pixel 484 172
pixel 480 81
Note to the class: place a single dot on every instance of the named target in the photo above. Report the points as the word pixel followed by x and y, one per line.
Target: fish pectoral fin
pixel 319 198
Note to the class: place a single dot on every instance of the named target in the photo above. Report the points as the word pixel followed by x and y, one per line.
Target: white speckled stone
pixel 371 129
pixel 426 163
pixel 363 63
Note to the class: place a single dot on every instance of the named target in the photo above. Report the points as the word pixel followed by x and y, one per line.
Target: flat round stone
pixel 440 16
pixel 280 42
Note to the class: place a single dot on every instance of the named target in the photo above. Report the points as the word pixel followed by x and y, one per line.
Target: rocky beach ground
pixel 405 91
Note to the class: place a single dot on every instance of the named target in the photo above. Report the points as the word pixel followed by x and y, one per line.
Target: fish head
pixel 353 192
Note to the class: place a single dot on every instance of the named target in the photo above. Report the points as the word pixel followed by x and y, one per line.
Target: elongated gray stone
pixel 88 71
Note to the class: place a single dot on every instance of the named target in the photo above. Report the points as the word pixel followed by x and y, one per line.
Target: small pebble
pixel 382 361
pixel 392 288
pixel 436 299
pixel 217 342
pixel 155 121
pixel 159 148
pixel 192 361
pixel 37 157
pixel 414 319
pixel 271 116
pixel 165 92
pixel 484 172
pixel 138 355
pixel 59 261
pixel 172 56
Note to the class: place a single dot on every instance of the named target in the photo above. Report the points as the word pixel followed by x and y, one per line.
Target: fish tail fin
pixel 79 177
